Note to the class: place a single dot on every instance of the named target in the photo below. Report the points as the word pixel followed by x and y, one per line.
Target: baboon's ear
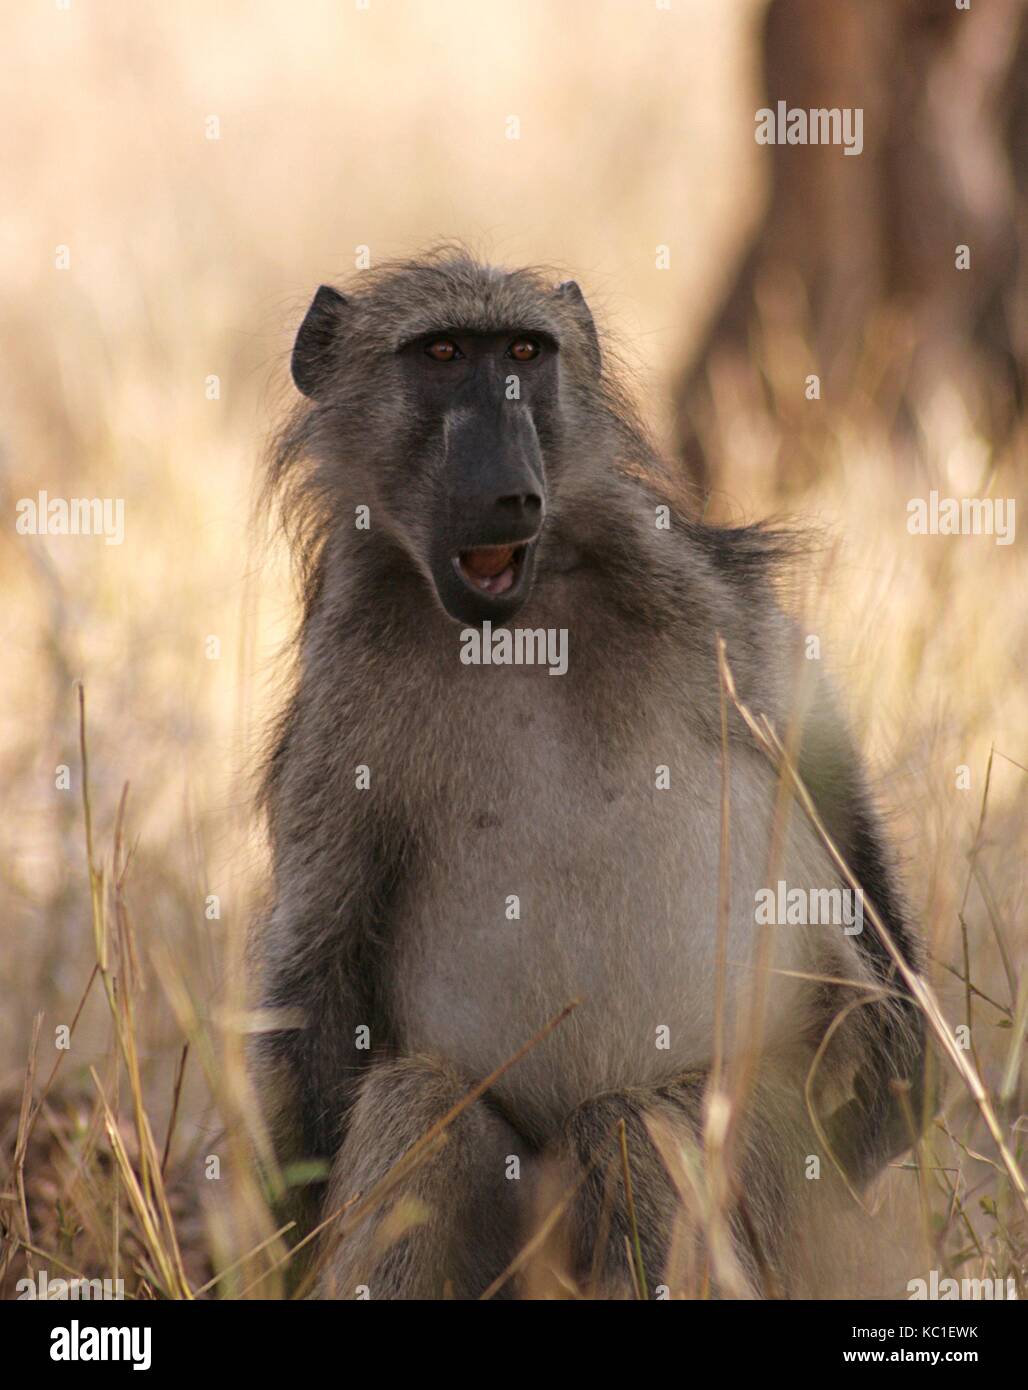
pixel 569 292
pixel 312 351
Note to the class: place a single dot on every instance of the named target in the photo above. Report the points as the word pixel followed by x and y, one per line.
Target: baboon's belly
pixel 615 905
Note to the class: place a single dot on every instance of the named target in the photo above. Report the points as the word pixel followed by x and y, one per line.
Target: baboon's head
pixel 446 390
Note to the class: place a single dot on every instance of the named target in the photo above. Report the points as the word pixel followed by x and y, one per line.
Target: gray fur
pixel 389 906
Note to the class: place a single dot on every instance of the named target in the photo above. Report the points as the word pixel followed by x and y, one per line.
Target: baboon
pixel 463 847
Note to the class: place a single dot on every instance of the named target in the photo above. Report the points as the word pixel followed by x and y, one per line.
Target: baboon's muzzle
pixel 490 515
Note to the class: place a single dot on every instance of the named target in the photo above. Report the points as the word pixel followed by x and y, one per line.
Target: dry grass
pixel 191 258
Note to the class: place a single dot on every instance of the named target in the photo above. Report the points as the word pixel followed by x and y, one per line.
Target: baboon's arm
pixel 885 1114
pixel 322 970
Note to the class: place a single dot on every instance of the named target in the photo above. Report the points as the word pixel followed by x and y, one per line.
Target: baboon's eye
pixel 444 350
pixel 524 349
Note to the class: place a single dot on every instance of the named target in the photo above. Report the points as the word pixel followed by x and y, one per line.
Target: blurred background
pixel 176 181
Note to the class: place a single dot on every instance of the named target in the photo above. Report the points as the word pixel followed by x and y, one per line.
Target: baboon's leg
pixel 672 1234
pixel 453 1223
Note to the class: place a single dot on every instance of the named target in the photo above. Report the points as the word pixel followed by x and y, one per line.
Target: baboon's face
pixel 444 392
pixel 477 403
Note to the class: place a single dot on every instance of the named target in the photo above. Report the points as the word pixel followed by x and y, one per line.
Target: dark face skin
pixel 488 401
pixel 461 430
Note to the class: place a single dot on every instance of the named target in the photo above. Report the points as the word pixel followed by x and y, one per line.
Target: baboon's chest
pixel 594 878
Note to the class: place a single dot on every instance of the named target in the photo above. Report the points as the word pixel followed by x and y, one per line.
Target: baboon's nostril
pixel 519 504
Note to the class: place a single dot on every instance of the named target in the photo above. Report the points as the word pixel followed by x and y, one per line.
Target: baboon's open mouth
pixel 491 569
pixel 481 582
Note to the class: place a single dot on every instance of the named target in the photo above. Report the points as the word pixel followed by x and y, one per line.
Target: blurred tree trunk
pixel 852 274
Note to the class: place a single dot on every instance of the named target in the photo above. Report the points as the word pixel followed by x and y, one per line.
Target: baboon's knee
pixel 443 1222
pixel 604 1221
pixel 405 1094
pixel 696 1229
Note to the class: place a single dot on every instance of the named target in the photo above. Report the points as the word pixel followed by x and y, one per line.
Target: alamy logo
pixel 949 1289
pixel 519 646
pixel 44 1289
pixel 968 516
pixel 820 125
pixel 810 907
pixel 79 1343
pixel 44 515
